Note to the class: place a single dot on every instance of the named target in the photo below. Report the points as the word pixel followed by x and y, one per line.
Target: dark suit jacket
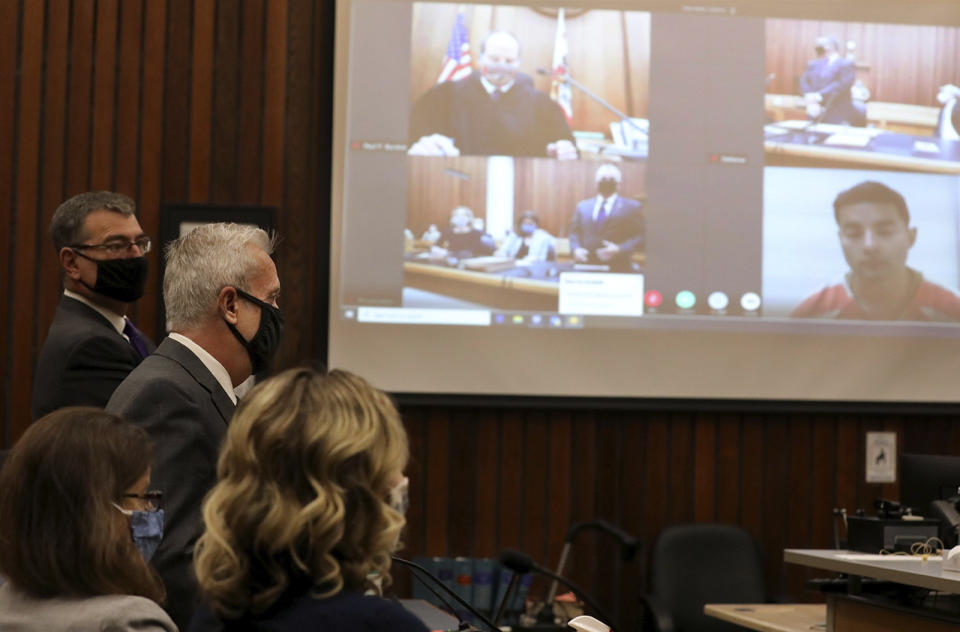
pixel 833 82
pixel 623 226
pixel 180 403
pixel 82 361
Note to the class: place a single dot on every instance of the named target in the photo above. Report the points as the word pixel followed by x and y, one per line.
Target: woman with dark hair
pixel 307 509
pixel 77 525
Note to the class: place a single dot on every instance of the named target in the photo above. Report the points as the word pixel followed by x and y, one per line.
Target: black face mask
pixel 607 187
pixel 120 279
pixel 266 341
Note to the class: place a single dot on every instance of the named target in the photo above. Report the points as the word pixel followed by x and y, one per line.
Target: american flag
pixel 457 62
pixel 559 88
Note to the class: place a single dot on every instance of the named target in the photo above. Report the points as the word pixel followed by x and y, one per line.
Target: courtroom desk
pixel 534 289
pixel 875 612
pixel 771 617
pixel 892 117
pixel 885 150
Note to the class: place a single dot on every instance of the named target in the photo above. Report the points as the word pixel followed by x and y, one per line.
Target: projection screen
pixel 741 200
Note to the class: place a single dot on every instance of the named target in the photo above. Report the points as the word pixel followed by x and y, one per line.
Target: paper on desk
pixel 874 557
pixel 926 147
pixel 847 140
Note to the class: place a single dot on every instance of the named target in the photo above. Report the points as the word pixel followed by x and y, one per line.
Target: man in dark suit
pixel 608 228
pixel 220 288
pixel 91 346
pixel 494 112
pixel 826 86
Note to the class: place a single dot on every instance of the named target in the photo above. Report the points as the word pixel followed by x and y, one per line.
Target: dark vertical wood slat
pixel 775 481
pixel 9 44
pixel 558 484
pixel 535 476
pixel 104 96
pixel 176 101
pixel 799 493
pixel 510 522
pixel 226 76
pixel 29 120
pixel 610 494
pixel 485 490
pixel 582 490
pixel 751 477
pixel 704 469
pixel 461 478
pixel 656 475
pixel 297 220
pixel 633 515
pixel 275 95
pixel 81 85
pixel 249 141
pixel 728 468
pixel 680 474
pixel 437 492
pixel 201 99
pixel 413 536
pixel 151 152
pixel 129 78
pixel 823 469
pixel 54 150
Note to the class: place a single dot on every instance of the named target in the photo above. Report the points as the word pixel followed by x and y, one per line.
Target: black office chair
pixel 692 565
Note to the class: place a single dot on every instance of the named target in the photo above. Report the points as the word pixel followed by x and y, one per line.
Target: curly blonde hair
pixel 301 494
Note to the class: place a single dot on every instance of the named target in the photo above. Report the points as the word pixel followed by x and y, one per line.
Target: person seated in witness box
pixel 461 239
pixel 529 243
pixel 876 236
pixel 78 527
pixel 494 112
pixel 308 507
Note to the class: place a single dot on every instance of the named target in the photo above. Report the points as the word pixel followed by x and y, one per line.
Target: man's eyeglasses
pixel 118 247
pixel 152 500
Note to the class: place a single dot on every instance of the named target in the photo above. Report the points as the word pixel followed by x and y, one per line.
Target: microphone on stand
pixel 521 564
pixel 421 574
pixel 628 546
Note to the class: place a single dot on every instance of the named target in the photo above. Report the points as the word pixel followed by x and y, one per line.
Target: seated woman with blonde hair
pixel 306 510
pixel 77 525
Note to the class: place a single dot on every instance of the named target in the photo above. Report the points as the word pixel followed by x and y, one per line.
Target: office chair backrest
pixel 696 564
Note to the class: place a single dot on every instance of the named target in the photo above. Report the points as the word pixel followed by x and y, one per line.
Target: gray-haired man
pixel 220 288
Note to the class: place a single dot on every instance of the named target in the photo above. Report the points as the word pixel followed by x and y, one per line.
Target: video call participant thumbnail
pixel 496 112
pixel 876 237
pixel 608 228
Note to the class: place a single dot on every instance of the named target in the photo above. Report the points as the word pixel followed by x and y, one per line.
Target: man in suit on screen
pixel 494 112
pixel 220 288
pixel 91 345
pixel 608 228
pixel 826 86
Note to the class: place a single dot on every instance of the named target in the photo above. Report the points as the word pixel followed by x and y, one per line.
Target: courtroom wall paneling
pixel 898 63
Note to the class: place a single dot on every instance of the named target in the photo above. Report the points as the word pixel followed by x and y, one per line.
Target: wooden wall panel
pixel 218 101
pixel 898 63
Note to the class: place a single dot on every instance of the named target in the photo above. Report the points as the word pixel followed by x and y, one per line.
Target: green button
pixel 686 299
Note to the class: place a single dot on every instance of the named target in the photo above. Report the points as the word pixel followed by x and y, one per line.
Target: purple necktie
pixel 602 213
pixel 136 338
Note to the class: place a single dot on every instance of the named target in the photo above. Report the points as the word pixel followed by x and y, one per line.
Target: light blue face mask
pixel 146 527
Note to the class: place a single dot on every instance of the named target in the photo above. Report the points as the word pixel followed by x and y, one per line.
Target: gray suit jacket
pixel 106 613
pixel 175 398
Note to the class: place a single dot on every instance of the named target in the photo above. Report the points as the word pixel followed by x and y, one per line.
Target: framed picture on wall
pixel 177 220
